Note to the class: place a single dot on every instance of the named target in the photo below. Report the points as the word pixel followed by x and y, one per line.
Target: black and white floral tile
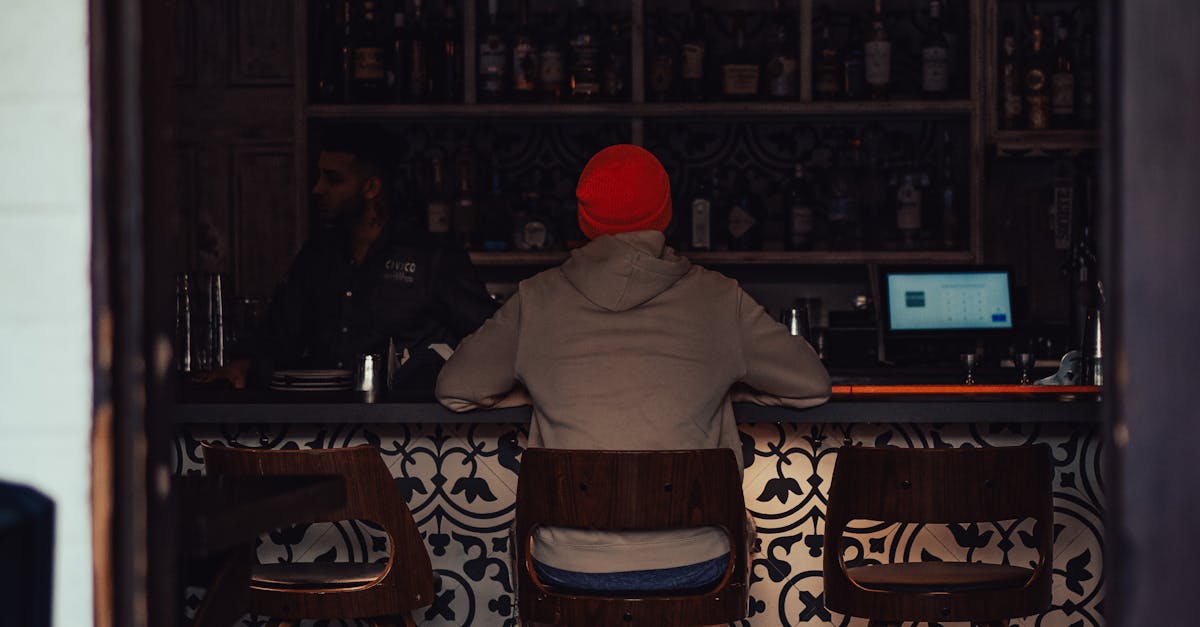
pixel 460 482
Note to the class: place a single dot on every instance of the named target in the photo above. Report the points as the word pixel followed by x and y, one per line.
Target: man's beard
pixel 346 214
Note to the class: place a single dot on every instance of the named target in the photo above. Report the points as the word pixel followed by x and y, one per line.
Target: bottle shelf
pixel 1045 143
pixel 907 108
pixel 813 258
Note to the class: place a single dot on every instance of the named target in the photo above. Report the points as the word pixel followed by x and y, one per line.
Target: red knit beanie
pixel 623 188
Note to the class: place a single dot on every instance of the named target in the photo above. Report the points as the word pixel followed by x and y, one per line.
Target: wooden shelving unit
pixel 638 112
pixel 762 258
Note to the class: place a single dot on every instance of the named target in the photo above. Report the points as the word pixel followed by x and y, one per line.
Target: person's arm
pixel 460 294
pixel 782 369
pixel 482 371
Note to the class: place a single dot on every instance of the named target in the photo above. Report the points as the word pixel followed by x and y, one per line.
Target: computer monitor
pixel 944 301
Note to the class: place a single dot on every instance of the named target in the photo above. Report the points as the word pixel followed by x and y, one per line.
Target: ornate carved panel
pixel 261 38
pixel 263 214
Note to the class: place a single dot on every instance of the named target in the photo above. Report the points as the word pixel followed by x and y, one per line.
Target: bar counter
pixel 458 473
pixel 850 404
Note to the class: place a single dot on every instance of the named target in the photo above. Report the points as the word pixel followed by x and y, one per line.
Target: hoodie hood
pixel 620 272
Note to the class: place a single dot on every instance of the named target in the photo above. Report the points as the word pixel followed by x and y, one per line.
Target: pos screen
pixel 948 301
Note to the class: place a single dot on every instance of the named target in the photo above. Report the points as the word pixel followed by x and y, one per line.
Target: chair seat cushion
pixel 939 576
pixel 310 576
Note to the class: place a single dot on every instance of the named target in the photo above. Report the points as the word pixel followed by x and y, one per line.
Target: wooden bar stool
pixel 939 486
pixel 385 593
pixel 624 491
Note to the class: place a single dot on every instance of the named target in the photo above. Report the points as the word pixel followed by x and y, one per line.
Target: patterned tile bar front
pixel 460 481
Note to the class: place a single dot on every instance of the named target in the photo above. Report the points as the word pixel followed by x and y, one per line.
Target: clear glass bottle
pixel 780 63
pixel 877 52
pixel 493 58
pixel 935 55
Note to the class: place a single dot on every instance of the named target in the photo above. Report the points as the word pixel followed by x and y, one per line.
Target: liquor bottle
pixel 739 74
pixel 531 227
pixel 951 217
pixel 702 213
pixel 660 79
pixel 397 80
pixel 525 75
pixel 801 211
pixel 1011 105
pixel 1037 88
pixel 935 55
pixel 551 62
pixel 843 214
pixel 493 58
pixel 854 65
pixel 330 46
pixel 878 54
pixel 694 70
pixel 1062 81
pixel 780 63
pixel 437 208
pixel 1085 79
pixel 419 78
pixel 368 81
pixel 615 85
pixel 465 234
pixel 448 79
pixel 494 217
pixel 584 77
pixel 908 209
pixel 745 216
pixel 827 78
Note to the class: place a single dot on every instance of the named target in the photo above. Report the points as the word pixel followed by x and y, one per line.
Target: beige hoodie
pixel 627 346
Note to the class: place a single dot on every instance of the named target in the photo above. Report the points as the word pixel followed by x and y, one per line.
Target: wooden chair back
pixel 371 495
pixel 624 491
pixel 939 486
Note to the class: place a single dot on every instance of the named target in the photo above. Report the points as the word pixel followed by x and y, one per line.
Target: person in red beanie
pixel 629 346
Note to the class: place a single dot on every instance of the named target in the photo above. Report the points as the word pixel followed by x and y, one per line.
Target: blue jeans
pixel 695 577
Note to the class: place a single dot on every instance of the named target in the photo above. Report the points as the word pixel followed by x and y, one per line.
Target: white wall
pixel 45 305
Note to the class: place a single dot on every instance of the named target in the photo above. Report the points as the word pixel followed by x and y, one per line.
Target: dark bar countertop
pixel 850 404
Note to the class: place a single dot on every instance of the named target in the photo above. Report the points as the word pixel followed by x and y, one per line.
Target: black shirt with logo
pixel 409 289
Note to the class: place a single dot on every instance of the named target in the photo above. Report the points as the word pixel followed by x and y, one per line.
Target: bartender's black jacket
pixel 411 288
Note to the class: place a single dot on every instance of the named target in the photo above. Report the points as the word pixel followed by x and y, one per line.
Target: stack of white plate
pixel 311 380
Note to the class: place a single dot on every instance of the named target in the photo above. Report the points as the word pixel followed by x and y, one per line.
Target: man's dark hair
pixel 371 146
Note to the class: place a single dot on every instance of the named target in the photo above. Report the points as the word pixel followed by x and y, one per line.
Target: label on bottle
pixel 693 61
pixel 1062 90
pixel 935 68
pixel 492 57
pixel 781 76
pixel 525 67
pixel 552 67
pixel 368 64
pixel 1039 111
pixel 740 221
pixel 585 85
pixel 534 235
pixel 1012 96
pixel 586 50
pixel 739 79
pixel 879 62
pixel 701 224
pixel 437 214
pixel 800 223
pixel 660 74
pixel 908 207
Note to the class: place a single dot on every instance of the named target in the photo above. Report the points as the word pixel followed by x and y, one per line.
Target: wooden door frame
pixel 132 202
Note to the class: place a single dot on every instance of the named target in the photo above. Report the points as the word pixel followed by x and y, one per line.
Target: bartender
pixel 363 279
